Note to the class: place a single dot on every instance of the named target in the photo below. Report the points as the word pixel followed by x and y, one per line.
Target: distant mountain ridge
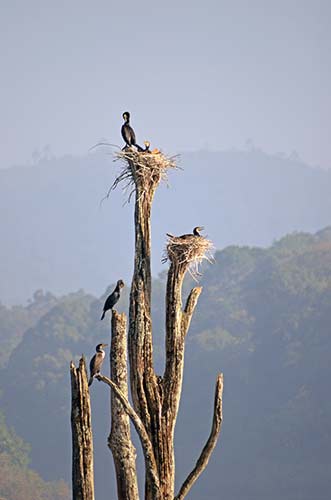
pixel 56 236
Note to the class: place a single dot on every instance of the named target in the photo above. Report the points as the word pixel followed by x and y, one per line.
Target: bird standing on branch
pixel 113 298
pixel 96 362
pixel 128 134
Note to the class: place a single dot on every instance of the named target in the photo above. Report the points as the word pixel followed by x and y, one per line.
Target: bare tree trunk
pixel 145 389
pixel 82 441
pixel 177 324
pixel 119 441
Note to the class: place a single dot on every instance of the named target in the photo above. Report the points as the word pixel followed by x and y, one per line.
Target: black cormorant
pixel 96 362
pixel 195 232
pixel 128 133
pixel 113 298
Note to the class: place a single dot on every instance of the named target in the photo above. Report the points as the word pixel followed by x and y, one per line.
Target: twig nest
pixel 190 250
pixel 143 169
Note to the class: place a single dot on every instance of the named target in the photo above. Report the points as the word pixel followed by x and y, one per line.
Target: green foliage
pixel 12 445
pixel 17 483
pixel 14 321
pixel 263 318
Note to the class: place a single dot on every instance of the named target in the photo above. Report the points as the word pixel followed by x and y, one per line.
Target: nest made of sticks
pixel 188 249
pixel 142 168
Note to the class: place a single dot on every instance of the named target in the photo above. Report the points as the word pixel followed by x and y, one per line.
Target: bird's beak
pixel 104 345
pixel 201 228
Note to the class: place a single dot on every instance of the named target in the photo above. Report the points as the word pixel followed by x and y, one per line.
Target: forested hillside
pixel 264 319
pixel 55 235
pixel 14 321
pixel 17 480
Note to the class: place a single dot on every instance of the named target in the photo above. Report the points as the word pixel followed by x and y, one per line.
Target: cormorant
pixel 195 232
pixel 96 362
pixel 113 298
pixel 128 133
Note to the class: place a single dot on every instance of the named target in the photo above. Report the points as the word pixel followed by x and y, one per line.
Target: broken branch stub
pixel 82 440
pixel 204 457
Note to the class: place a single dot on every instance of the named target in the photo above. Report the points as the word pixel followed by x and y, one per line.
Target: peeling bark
pixel 145 389
pixel 151 468
pixel 82 441
pixel 119 440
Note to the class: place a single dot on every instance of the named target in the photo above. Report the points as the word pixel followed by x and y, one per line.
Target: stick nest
pixel 142 171
pixel 190 250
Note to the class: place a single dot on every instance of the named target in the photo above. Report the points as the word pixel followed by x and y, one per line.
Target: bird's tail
pixel 90 381
pixel 103 315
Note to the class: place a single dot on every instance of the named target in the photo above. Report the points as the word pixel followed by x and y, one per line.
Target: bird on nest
pixel 113 298
pixel 147 150
pixel 128 134
pixel 195 232
pixel 147 145
pixel 96 362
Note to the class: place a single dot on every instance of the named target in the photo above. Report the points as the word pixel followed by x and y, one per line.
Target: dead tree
pixel 82 443
pixel 155 399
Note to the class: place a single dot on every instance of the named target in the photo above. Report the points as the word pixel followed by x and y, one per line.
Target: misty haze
pixel 237 94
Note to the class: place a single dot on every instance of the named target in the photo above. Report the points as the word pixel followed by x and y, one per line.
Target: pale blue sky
pixel 212 73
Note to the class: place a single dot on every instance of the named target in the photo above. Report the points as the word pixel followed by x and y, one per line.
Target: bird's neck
pixel 101 350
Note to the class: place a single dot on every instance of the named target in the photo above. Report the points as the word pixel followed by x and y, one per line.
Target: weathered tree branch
pixel 177 324
pixel 190 306
pixel 211 442
pixel 119 440
pixel 151 468
pixel 82 441
pixel 145 389
pixel 142 377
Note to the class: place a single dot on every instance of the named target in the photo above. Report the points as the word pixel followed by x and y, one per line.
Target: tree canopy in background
pixel 264 317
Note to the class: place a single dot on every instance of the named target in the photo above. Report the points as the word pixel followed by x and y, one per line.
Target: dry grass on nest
pixel 190 250
pixel 145 168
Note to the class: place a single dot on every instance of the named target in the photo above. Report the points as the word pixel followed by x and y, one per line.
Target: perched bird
pixel 147 146
pixel 128 134
pixel 113 298
pixel 96 362
pixel 195 232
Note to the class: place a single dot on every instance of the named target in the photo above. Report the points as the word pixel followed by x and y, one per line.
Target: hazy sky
pixel 194 74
